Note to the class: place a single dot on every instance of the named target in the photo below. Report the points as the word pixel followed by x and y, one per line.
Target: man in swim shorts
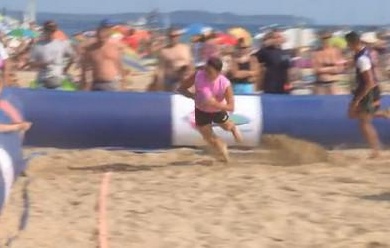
pixel 366 97
pixel 175 62
pixel 103 60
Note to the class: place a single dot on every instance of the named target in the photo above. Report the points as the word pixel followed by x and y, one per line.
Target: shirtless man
pixel 175 63
pixel 102 59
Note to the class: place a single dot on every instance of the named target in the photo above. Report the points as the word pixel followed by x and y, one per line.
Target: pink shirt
pixel 205 89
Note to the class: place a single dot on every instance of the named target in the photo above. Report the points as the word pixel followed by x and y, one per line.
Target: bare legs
pixel 370 134
pixel 367 128
pixel 215 142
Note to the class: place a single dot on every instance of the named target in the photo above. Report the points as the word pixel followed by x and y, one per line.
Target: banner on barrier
pixel 247 116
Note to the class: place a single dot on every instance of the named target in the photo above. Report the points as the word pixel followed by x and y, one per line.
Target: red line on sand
pixel 103 231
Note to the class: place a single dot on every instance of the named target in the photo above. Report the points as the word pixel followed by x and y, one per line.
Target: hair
pixel 172 29
pixel 103 28
pixel 50 26
pixel 325 34
pixel 352 37
pixel 215 63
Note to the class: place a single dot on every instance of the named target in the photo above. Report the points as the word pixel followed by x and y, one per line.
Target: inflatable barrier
pixel 11 157
pixel 161 120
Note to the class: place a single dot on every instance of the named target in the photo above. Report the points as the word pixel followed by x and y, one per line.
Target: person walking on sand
pixel 366 97
pixel 213 100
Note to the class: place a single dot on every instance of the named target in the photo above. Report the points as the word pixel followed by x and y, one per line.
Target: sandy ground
pixel 288 193
pixel 137 81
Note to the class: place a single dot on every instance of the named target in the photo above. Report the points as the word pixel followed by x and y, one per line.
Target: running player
pixel 213 100
pixel 366 98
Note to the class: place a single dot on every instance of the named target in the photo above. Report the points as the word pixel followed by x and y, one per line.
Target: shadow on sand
pixel 380 197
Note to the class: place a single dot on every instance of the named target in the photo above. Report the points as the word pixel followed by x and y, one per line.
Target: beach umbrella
pixel 89 33
pixel 142 34
pixel 226 39
pixel 136 38
pixel 23 33
pixel 60 35
pixel 121 29
pixel 241 33
pixel 197 29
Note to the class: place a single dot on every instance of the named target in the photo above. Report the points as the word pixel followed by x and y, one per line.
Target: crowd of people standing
pixel 97 64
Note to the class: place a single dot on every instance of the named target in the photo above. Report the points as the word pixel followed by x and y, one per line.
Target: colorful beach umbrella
pixel 60 35
pixel 241 33
pixel 121 29
pixel 136 38
pixel 132 61
pixel 197 29
pixel 226 39
pixel 23 33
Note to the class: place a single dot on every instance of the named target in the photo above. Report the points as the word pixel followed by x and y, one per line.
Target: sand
pixel 136 81
pixel 288 193
pixel 183 198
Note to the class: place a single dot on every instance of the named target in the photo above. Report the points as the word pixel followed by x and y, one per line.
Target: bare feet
pixel 237 135
pixel 375 154
pixel 223 150
pixel 383 113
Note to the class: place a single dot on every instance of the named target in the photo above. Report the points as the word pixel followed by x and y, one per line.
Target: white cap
pixel 369 37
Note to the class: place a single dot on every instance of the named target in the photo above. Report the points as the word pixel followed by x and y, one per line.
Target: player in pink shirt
pixel 213 100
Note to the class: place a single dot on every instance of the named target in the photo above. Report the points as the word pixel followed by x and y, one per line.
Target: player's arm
pixel 6 128
pixel 184 87
pixel 86 82
pixel 229 97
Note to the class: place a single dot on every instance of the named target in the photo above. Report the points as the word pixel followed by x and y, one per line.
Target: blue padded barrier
pixel 99 119
pixel 322 119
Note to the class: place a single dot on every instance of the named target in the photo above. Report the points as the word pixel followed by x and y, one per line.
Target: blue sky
pixel 323 11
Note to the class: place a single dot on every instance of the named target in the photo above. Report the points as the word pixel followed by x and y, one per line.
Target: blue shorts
pixel 243 88
pixel 106 86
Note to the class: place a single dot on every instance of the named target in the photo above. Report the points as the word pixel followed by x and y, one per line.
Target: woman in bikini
pixel 244 70
pixel 328 64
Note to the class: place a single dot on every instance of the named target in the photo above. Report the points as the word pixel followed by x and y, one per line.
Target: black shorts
pixel 371 102
pixel 324 83
pixel 204 118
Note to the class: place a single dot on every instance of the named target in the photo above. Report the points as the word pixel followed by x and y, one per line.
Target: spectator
pixel 50 56
pixel 101 63
pixel 328 64
pixel 244 70
pixel 174 63
pixel 276 62
pixel 4 66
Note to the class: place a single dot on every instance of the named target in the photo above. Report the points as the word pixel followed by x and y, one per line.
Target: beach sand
pixel 287 193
